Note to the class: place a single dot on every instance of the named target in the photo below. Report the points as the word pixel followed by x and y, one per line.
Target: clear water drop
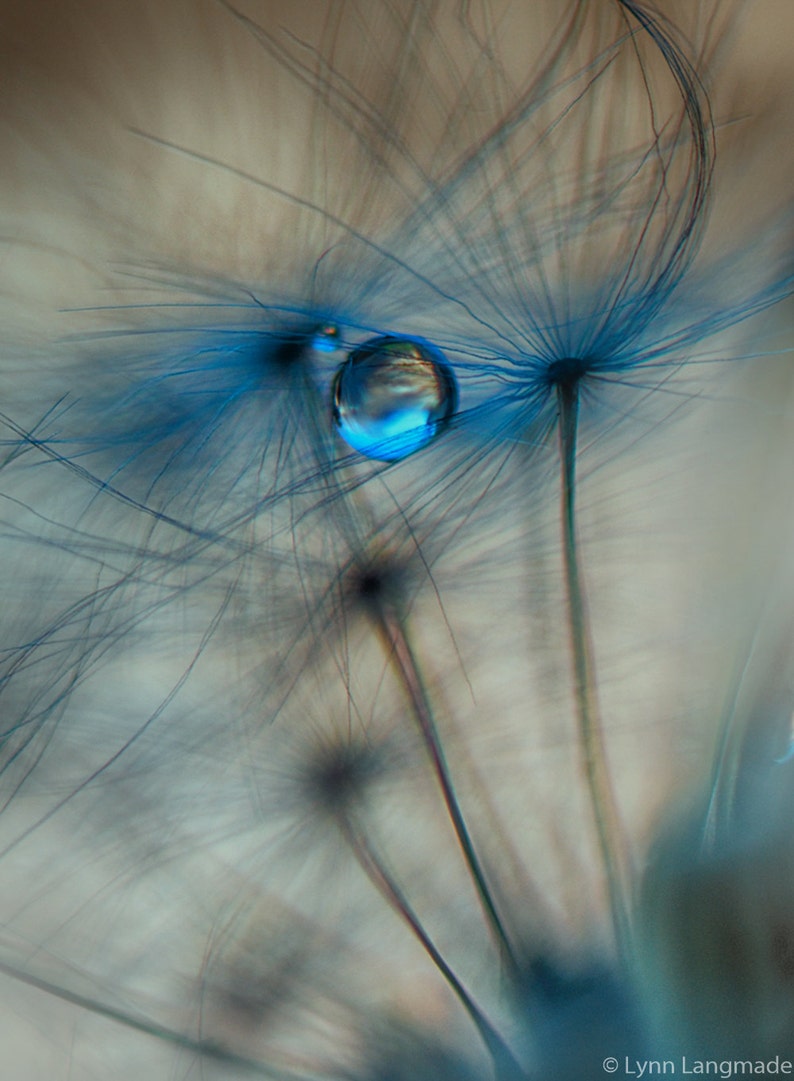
pixel 326 338
pixel 392 396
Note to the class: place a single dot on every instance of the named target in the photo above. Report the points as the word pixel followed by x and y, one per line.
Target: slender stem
pixel 403 658
pixel 611 837
pixel 507 1069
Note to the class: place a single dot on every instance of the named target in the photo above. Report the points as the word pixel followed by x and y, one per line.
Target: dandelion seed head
pixel 336 777
pixel 289 350
pixel 379 582
pixel 326 768
pixel 568 371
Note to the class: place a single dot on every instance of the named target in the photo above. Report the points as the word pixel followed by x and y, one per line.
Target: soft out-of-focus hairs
pixel 395 678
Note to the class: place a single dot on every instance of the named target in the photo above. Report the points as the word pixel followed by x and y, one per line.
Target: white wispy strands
pixel 396 678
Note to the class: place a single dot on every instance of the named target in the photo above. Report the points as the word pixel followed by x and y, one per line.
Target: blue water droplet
pixel 326 338
pixel 392 396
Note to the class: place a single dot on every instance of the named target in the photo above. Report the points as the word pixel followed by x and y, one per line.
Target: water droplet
pixel 392 396
pixel 326 338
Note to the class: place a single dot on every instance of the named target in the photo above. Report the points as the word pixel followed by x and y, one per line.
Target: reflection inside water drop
pixel 392 396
